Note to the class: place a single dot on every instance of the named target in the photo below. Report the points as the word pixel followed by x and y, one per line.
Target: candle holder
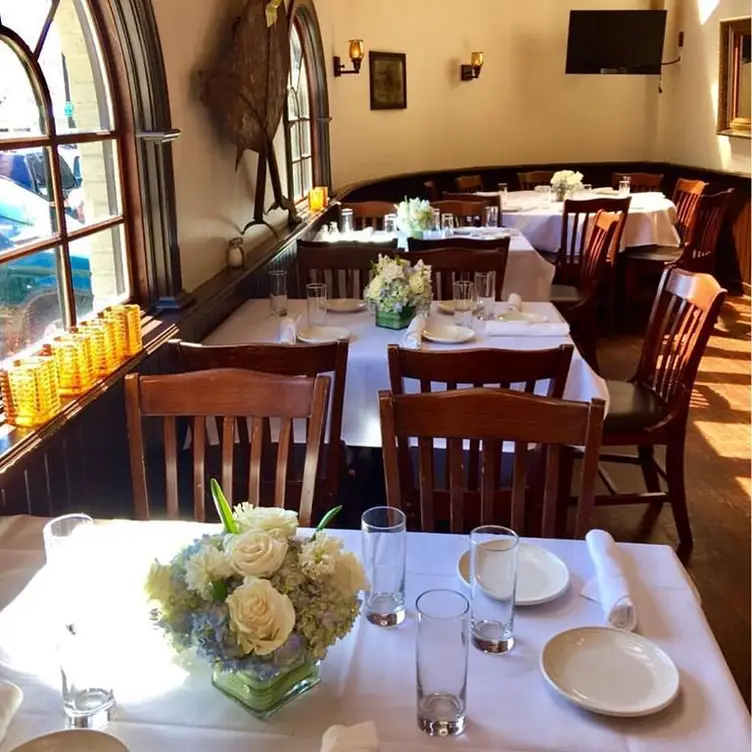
pixel 115 321
pixel 72 353
pixel 98 340
pixel 131 317
pixel 30 390
pixel 317 198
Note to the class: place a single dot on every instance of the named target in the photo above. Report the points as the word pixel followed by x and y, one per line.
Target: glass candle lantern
pixel 113 342
pixel 30 390
pixel 134 340
pixel 98 340
pixel 115 318
pixel 72 353
pixel 316 200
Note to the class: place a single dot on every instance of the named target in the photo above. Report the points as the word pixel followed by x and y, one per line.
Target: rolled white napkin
pixel 10 700
pixel 526 329
pixel 514 302
pixel 413 337
pixel 288 330
pixel 610 587
pixel 359 738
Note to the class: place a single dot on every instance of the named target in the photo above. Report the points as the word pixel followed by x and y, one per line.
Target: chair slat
pixel 171 468
pixel 550 491
pixel 228 448
pixel 519 485
pixel 491 451
pixel 199 474
pixel 456 484
pixel 254 466
pixel 283 459
pixel 426 483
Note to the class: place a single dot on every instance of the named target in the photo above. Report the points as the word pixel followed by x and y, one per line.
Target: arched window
pixel 299 120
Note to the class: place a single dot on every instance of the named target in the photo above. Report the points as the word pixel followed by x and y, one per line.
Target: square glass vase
pixel 395 319
pixel 263 693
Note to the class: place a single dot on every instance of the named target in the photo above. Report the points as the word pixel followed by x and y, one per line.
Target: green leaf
pixel 327 518
pixel 219 590
pixel 223 508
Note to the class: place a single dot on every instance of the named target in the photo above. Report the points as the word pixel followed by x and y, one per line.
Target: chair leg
pixel 649 470
pixel 676 492
pixel 588 339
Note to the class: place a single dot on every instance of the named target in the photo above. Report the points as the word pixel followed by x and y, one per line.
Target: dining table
pixel 166 702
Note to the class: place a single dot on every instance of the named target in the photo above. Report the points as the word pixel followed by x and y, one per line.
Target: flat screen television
pixel 616 41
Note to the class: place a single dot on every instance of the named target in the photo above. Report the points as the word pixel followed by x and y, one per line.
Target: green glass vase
pixel 395 319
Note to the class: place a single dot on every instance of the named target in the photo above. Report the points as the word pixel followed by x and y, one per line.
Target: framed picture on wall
pixel 388 77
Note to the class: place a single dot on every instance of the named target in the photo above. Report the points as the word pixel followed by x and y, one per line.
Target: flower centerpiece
pixel 414 216
pixel 258 602
pixel 397 289
pixel 564 182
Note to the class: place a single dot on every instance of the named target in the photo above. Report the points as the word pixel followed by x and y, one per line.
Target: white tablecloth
pixel 167 706
pixel 367 370
pixel 650 221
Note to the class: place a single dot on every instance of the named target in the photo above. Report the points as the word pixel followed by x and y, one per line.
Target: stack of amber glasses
pixel 75 366
pixel 103 355
pixel 30 390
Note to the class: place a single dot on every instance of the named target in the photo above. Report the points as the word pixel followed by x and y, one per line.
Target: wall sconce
pixel 469 72
pixel 355 51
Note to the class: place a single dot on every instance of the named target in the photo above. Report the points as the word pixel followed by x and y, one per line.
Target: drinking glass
pixel 384 548
pixel 346 223
pixel 493 578
pixel 625 185
pixel 587 190
pixel 464 297
pixel 390 224
pixel 436 220
pixel 492 216
pixel 447 225
pixel 278 292
pixel 503 189
pixel 316 297
pixel 441 661
pixel 545 192
pixel 485 290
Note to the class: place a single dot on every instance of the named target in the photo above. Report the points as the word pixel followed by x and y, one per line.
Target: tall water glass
pixel 436 225
pixel 441 661
pixel 347 224
pixel 485 291
pixel 447 225
pixel 278 292
pixel 390 224
pixel 545 192
pixel 384 549
pixel 493 577
pixel 625 185
pixel 464 297
pixel 503 190
pixel 316 297
pixel 492 216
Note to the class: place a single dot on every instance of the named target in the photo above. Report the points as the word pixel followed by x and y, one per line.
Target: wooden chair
pixel 639 182
pixel 285 360
pixel 651 409
pixel 530 180
pixel 433 190
pixel 468 183
pixel 578 304
pixel 490 416
pixel 469 211
pixel 477 244
pixel 344 267
pixel 226 393
pixel 450 264
pixel 370 213
pixel 686 198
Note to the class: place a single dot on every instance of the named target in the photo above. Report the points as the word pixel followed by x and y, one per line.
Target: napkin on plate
pixel 610 587
pixel 288 330
pixel 526 329
pixel 359 738
pixel 514 302
pixel 413 337
pixel 10 700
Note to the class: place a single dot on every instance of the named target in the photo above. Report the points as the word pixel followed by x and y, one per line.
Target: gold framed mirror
pixel 735 78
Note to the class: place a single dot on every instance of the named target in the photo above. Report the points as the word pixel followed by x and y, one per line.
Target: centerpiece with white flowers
pixel 414 216
pixel 565 182
pixel 259 602
pixel 397 290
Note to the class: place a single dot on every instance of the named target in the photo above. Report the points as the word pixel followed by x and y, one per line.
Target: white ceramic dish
pixel 447 306
pixel 522 316
pixel 345 305
pixel 448 334
pixel 317 335
pixel 74 740
pixel 606 191
pixel 610 671
pixel 541 575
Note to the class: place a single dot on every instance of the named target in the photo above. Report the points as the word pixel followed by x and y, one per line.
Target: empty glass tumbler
pixel 625 185
pixel 503 190
pixel 493 578
pixel 464 298
pixel 390 224
pixel 485 291
pixel 492 216
pixel 316 302
pixel 384 550
pixel 441 661
pixel 278 292
pixel 447 225
pixel 347 223
pixel 436 225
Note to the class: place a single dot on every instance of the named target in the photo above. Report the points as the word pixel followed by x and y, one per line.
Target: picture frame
pixel 387 73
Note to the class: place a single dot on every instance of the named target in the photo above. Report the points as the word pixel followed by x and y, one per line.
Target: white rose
pixel 159 582
pixel 261 617
pixel 255 553
pixel 374 287
pixel 205 566
pixel 280 523
pixel 416 284
pixel 348 576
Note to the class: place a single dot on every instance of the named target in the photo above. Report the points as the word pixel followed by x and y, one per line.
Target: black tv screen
pixel 616 41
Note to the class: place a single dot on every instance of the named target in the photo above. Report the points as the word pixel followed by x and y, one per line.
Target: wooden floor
pixel 717 477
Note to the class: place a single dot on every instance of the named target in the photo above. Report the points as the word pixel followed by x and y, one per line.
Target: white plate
pixel 531 318
pixel 345 305
pixel 610 671
pixel 447 306
pixel 541 575
pixel 448 334
pixel 606 191
pixel 75 740
pixel 316 335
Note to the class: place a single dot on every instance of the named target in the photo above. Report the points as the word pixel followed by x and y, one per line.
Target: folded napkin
pixel 413 337
pixel 514 302
pixel 359 738
pixel 10 700
pixel 288 330
pixel 609 588
pixel 526 329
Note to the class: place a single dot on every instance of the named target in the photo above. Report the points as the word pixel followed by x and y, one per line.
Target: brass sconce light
pixel 469 72
pixel 355 52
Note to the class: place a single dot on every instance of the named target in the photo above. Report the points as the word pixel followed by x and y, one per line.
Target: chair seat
pixel 565 294
pixel 664 254
pixel 632 407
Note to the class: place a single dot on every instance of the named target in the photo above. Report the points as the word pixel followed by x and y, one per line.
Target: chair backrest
pixel 684 313
pixel 699 252
pixel 467 210
pixel 370 213
pixel 576 223
pixel 229 394
pixel 450 264
pixel 454 196
pixel 433 190
pixel 285 360
pixel 595 257
pixel 344 267
pixel 639 182
pixel 466 183
pixel 529 180
pixel 478 244
pixel 490 416
pixel 686 198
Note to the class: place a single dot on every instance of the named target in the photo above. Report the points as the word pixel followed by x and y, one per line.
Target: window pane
pixel 20 112
pixel 305 138
pixel 296 57
pixel 100 275
pixel 25 17
pixel 292 105
pixel 295 140
pixel 304 104
pixel 297 183
pixel 71 62
pixel 307 168
pixel 30 306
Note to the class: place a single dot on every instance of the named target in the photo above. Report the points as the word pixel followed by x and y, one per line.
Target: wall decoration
pixel 388 77
pixel 734 76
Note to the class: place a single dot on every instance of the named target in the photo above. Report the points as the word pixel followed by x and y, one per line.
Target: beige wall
pixel 688 108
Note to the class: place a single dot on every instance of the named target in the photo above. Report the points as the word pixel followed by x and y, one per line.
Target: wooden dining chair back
pixel 699 252
pixel 468 183
pixel 344 267
pixel 464 212
pixel 432 190
pixel 639 182
pixel 370 213
pixel 286 360
pixel 530 180
pixel 453 264
pixel 478 244
pixel 686 198
pixel 491 417
pixel 227 394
